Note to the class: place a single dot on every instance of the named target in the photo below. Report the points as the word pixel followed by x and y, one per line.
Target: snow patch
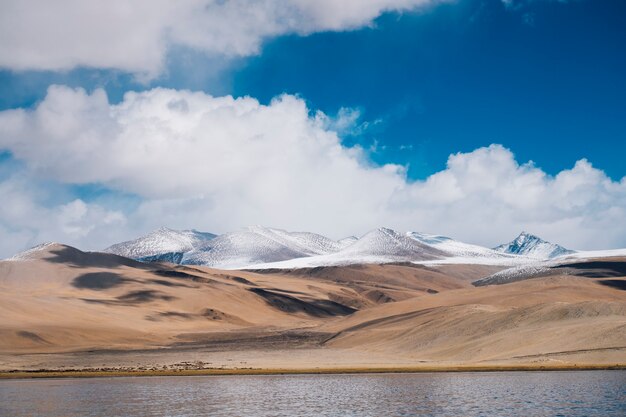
pixel 33 252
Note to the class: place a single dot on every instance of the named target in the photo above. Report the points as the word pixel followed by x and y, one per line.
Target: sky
pixel 476 119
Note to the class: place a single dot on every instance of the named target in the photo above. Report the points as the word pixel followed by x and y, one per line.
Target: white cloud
pixel 135 36
pixel 219 163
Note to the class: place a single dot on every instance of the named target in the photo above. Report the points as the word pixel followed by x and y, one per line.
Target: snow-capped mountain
pixel 259 245
pixel 533 247
pixel 163 244
pixel 263 247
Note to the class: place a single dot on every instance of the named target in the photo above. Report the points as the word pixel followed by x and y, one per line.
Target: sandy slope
pixel 60 307
pixel 104 301
pixel 548 318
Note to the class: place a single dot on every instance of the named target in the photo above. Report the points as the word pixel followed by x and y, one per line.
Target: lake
pixel 585 393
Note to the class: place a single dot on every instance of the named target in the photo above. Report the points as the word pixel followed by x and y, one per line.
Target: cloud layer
pixel 220 163
pixel 136 36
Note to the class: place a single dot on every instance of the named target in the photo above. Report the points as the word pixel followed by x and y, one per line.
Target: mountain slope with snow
pixel 163 244
pixel 263 247
pixel 257 244
pixel 387 243
pixel 35 252
pixel 381 245
pixel 534 247
pixel 593 254
pixel 454 247
pixel 347 241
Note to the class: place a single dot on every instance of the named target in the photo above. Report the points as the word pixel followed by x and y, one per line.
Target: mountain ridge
pixel 259 247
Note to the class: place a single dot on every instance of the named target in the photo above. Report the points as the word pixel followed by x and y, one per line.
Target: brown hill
pixel 61 307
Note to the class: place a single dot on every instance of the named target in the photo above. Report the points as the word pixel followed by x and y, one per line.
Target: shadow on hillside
pixel 133 298
pixel 597 269
pixel 619 284
pixel 289 304
pixel 77 258
pixel 99 281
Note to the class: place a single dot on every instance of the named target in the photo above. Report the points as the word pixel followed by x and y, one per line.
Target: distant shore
pixel 94 373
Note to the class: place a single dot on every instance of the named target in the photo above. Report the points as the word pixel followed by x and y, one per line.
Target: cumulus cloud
pixel 207 157
pixel 220 163
pixel 135 36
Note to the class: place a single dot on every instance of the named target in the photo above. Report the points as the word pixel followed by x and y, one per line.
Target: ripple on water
pixel 588 393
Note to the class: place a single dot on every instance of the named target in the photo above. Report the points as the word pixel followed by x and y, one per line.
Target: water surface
pixel 588 393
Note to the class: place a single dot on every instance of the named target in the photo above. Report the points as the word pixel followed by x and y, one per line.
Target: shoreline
pixel 89 373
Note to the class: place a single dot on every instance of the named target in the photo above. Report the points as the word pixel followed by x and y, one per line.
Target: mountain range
pixel 258 247
pixel 387 299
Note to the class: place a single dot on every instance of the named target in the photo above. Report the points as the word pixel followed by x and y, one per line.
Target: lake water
pixel 589 393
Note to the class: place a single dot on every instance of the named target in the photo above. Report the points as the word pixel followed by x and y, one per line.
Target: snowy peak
pixel 163 244
pixel 533 246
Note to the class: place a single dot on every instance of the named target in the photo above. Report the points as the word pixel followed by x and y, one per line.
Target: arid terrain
pixel 63 309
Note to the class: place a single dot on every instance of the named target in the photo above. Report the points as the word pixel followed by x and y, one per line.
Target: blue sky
pixel 544 79
pixel 468 75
